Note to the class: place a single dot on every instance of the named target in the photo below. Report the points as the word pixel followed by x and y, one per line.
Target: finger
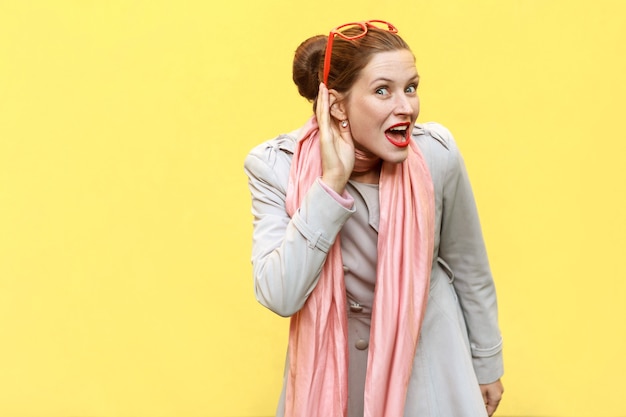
pixel 491 408
pixel 492 403
pixel 485 398
pixel 322 111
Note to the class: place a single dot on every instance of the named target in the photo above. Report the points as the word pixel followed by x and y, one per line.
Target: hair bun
pixel 306 66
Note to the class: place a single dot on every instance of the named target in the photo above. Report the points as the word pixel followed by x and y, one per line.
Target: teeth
pixel 399 128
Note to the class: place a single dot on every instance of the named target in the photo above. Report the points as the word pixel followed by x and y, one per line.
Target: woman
pixel 366 234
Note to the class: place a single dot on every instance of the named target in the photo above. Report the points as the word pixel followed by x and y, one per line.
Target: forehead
pixel 391 64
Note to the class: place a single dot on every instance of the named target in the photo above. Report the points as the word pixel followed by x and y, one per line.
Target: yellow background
pixel 125 283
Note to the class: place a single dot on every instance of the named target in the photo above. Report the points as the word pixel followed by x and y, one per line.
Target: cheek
pixel 368 107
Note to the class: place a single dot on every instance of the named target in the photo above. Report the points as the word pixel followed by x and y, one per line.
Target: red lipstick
pixel 399 134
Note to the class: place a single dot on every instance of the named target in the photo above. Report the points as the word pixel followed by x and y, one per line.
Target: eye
pixel 411 89
pixel 383 91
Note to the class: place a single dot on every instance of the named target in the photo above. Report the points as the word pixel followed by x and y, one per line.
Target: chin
pixel 396 157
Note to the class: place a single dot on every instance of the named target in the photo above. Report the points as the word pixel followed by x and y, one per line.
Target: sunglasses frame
pixel 336 31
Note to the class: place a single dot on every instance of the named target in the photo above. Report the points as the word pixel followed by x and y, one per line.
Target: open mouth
pixel 399 134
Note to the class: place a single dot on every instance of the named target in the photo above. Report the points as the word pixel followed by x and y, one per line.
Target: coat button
pixel 356 307
pixel 361 344
pixel 345 269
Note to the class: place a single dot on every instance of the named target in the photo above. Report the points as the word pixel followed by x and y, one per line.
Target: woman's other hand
pixel 492 394
pixel 337 148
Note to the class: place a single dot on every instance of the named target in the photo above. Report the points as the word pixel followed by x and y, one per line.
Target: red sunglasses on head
pixel 380 24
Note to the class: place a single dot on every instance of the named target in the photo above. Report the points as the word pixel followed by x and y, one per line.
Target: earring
pixel 344 124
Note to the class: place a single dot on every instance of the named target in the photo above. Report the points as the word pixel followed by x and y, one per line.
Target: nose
pixel 404 106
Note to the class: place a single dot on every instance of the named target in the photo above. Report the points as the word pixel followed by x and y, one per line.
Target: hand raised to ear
pixel 337 147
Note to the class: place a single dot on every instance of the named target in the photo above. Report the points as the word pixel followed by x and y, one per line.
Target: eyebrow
pixel 416 77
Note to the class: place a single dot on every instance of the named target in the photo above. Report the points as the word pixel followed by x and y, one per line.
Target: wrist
pixel 334 184
pixel 345 199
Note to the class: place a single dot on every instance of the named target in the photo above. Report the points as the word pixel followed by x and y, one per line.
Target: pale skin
pixel 383 95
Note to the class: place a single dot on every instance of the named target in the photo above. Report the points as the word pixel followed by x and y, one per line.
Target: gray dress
pixel 460 342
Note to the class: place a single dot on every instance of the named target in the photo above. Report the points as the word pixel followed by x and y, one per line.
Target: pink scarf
pixel 317 382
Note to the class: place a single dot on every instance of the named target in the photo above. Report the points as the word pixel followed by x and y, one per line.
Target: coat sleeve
pixel 287 253
pixel 462 247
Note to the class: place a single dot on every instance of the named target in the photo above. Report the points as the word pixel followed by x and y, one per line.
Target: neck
pixel 366 167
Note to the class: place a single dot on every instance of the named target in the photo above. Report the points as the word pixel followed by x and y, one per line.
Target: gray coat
pixel 460 344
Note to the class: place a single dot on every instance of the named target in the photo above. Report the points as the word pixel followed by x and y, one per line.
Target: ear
pixel 337 105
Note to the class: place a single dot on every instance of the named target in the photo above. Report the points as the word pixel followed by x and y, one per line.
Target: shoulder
pixel 436 135
pixel 270 161
pixel 268 152
pixel 438 148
